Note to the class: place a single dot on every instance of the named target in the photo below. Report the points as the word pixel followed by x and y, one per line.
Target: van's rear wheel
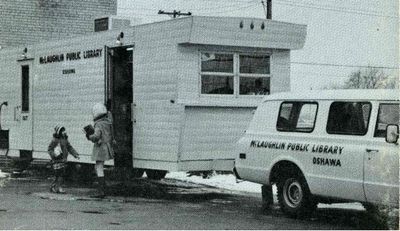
pixel 294 196
pixel 155 174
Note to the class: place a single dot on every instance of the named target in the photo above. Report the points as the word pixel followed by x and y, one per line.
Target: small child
pixel 58 149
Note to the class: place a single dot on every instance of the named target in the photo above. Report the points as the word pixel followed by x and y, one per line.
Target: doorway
pixel 119 80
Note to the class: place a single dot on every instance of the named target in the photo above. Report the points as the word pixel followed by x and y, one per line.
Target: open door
pixel 119 92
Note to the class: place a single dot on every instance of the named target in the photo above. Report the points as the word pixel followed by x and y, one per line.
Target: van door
pixel 21 133
pixel 381 164
pixel 119 92
pixel 338 157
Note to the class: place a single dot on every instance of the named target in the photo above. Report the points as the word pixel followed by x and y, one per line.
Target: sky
pixel 343 36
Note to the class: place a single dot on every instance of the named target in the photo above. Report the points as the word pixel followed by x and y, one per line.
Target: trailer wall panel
pixel 155 75
pixel 224 126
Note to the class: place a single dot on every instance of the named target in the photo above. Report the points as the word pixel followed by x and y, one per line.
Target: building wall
pixel 31 21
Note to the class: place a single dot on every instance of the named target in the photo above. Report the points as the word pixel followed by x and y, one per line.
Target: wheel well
pixel 282 169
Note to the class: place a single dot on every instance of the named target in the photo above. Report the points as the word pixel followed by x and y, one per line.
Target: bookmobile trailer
pixel 181 91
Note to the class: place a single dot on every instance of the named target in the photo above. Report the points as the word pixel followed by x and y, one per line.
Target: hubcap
pixel 293 193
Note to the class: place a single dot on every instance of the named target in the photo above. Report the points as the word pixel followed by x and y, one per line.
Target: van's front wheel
pixel 294 197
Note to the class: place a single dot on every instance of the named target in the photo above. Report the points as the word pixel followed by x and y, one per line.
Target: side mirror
pixel 392 133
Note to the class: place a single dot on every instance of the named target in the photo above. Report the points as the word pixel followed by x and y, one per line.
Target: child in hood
pixel 58 149
pixel 103 140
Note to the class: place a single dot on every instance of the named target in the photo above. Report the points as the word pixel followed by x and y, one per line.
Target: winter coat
pixel 102 139
pixel 66 148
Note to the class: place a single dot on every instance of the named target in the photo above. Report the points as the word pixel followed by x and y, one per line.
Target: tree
pixel 370 78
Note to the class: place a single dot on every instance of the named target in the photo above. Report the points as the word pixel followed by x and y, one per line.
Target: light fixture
pixel 23 55
pixel 120 39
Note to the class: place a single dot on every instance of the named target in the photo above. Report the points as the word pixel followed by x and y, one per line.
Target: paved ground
pixel 143 204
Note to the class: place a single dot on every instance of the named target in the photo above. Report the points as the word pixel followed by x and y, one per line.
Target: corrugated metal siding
pixel 211 132
pixel 156 70
pixel 10 91
pixel 156 132
pixel 280 71
pixel 66 99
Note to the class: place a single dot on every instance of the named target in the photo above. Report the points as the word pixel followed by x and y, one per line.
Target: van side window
pixel 348 118
pixel 297 117
pixel 388 114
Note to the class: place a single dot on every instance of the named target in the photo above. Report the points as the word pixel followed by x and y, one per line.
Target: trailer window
pixel 297 117
pixel 235 74
pixel 254 72
pixel 216 73
pixel 348 118
pixel 25 88
pixel 388 114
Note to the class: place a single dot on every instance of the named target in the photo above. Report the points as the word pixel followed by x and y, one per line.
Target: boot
pixel 60 183
pixel 53 186
pixel 100 188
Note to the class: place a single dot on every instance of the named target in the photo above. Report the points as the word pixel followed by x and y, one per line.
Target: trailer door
pixel 21 133
pixel 119 92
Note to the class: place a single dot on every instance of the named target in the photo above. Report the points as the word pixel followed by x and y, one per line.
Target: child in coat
pixel 103 139
pixel 58 149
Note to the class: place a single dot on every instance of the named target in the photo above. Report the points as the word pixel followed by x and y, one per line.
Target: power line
pixel 341 65
pixel 337 76
pixel 332 7
pixel 228 11
pixel 189 8
pixel 280 2
pixel 289 3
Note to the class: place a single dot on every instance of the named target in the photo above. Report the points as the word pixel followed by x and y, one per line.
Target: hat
pixel 58 130
pixel 98 110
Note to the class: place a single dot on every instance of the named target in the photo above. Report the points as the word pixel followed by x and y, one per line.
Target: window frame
pixel 295 129
pixel 349 134
pixel 235 74
pixel 377 118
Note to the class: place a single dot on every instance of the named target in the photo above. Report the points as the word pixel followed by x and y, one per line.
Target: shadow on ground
pixel 166 189
pixel 360 219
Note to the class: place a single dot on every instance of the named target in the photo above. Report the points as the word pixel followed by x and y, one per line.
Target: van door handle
pixel 372 150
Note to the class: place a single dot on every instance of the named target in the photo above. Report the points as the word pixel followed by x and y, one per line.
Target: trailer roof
pixel 348 94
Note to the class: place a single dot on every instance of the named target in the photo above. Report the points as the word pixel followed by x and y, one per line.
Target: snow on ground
pixel 3 174
pixel 228 181
pixel 220 181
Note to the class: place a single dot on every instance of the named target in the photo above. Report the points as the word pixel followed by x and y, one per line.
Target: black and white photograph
pixel 199 115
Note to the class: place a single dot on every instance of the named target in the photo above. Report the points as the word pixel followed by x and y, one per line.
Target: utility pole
pixel 267 5
pixel 174 13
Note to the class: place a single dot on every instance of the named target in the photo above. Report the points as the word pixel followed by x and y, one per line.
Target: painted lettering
pixel 327 161
pixel 92 53
pixel 74 55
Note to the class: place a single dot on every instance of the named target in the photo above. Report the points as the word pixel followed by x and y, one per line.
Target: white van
pixel 324 146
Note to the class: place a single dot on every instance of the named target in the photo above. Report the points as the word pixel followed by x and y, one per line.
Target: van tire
pixel 155 174
pixel 294 196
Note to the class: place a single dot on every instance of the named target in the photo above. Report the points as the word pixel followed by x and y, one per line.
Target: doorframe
pixel 30 63
pixel 107 85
